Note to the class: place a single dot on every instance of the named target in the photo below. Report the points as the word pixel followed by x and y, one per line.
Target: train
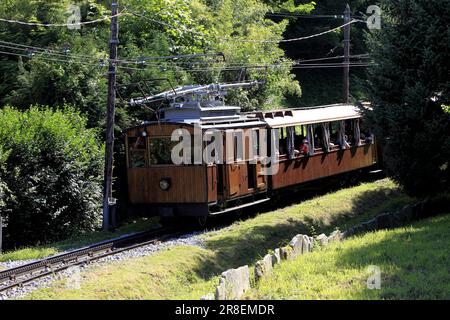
pixel 201 157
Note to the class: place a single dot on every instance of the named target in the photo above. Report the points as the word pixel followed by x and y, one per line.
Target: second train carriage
pixel 308 144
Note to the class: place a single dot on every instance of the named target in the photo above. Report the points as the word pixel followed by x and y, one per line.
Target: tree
pixel 325 85
pixel 50 174
pixel 409 91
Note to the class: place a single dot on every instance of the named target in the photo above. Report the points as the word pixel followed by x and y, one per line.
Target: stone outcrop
pixel 233 284
pixel 264 266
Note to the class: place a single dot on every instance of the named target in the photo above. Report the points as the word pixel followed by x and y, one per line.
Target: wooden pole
pixel 347 19
pixel 111 106
pixel 1 233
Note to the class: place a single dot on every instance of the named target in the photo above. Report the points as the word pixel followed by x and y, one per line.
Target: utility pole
pixel 347 19
pixel 109 151
pixel 1 234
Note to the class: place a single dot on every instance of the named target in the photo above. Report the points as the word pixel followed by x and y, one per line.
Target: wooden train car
pixel 305 145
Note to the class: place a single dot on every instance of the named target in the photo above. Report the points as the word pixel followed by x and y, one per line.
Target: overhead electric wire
pixel 294 39
pixel 46 51
pixel 51 59
pixel 37 24
pixel 140 60
pixel 217 69
pixel 306 16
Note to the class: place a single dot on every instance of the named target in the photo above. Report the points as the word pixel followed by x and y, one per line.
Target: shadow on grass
pixel 414 262
pixel 246 245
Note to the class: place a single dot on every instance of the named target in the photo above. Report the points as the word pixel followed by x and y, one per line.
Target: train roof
pixel 305 116
pixel 272 119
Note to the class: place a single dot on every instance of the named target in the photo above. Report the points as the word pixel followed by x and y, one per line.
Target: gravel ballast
pixel 191 239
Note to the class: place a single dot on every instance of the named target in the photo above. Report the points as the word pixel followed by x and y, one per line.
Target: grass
pixel 75 242
pixel 414 263
pixel 186 272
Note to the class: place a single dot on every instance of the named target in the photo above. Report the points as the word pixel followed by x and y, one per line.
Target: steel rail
pixel 18 276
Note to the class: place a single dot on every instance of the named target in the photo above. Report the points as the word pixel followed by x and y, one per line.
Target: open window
pixel 335 136
pixel 290 142
pixel 366 133
pixel 137 152
pixel 256 144
pixel 318 136
pixel 282 147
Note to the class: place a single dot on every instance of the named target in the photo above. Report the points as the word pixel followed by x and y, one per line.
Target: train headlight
pixel 164 184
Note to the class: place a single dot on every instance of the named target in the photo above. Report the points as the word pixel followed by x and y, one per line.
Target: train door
pixel 256 178
pixel 234 179
pixel 220 182
pixel 232 174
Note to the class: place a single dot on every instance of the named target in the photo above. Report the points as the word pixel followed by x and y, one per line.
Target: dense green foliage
pixel 52 170
pixel 409 88
pixel 325 85
pixel 147 28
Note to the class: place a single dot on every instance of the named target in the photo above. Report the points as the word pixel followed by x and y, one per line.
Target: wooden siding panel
pixel 304 169
pixel 233 174
pixel 188 184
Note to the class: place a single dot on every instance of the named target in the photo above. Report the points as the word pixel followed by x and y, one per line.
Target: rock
pixel 209 296
pixel 286 253
pixel 221 293
pixel 233 284
pixel 358 230
pixel 306 245
pixel 311 243
pixel 404 215
pixel 371 225
pixel 297 245
pixel 276 257
pixel 417 210
pixel 263 267
pixel 385 221
pixel 335 236
pixel 323 239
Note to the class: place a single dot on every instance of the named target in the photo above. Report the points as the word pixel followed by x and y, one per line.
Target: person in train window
pixel 304 147
pixel 346 143
pixel 318 144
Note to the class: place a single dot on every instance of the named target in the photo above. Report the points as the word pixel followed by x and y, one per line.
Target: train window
pixel 326 137
pixel 335 135
pixel 318 137
pixel 366 133
pixel 136 151
pixel 349 133
pixel 290 141
pixel 161 150
pixel 356 132
pixel 282 147
pixel 238 146
pixel 256 145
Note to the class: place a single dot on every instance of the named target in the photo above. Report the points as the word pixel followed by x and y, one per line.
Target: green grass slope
pixel 187 272
pixel 414 263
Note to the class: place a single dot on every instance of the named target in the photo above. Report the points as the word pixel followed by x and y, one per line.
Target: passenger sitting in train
pixel 346 144
pixel 304 147
pixel 366 138
pixel 318 144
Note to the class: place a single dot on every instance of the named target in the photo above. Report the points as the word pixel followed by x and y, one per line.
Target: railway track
pixel 16 277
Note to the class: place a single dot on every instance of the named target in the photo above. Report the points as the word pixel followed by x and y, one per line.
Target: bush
pixel 51 168
pixel 410 89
